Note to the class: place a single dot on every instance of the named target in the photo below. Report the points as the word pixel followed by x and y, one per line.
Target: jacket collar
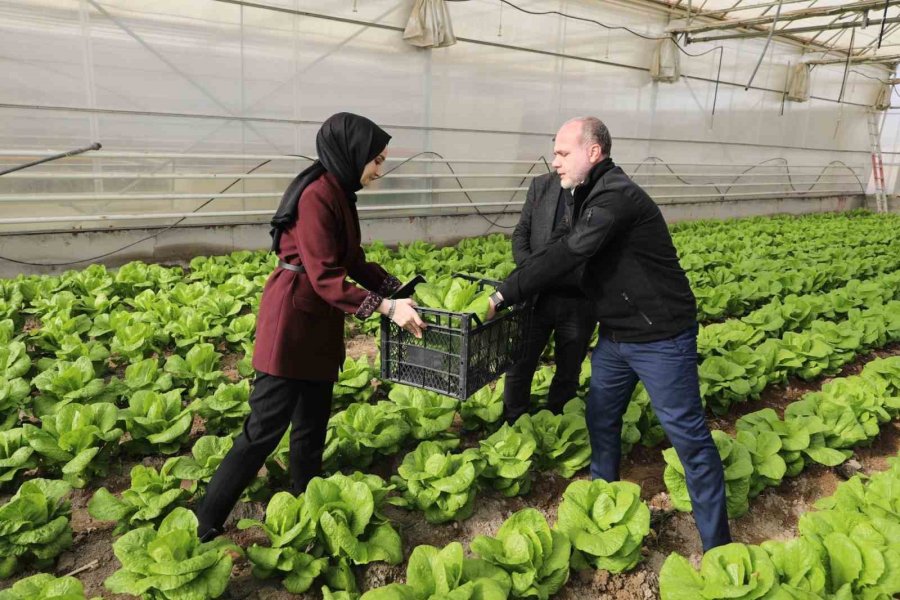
pixel 594 175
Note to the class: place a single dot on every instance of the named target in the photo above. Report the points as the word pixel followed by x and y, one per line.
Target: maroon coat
pixel 300 326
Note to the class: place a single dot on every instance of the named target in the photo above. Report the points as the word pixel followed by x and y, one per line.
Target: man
pixel 620 249
pixel 562 310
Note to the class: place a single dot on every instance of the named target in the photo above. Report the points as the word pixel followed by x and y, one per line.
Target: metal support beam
pixel 789 30
pixel 806 13
pixel 742 7
pixel 856 60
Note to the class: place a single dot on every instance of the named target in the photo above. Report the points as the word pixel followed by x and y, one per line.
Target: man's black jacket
pixel 538 213
pixel 538 226
pixel 620 251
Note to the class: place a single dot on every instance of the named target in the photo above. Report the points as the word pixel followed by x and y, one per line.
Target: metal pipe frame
pixel 855 60
pixel 806 13
pixel 689 198
pixel 793 30
pixel 91 197
pixel 676 199
pixel 740 7
pixel 167 155
pixel 266 176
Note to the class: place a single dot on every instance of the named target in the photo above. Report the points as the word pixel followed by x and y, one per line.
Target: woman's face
pixel 372 171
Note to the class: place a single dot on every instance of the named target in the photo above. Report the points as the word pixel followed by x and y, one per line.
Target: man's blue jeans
pixel 668 369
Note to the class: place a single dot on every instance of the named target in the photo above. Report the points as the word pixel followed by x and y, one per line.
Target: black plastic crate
pixel 457 354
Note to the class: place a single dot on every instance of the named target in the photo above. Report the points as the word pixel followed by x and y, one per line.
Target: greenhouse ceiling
pixel 869 30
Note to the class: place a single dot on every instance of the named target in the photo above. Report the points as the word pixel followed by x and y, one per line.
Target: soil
pixel 773 514
pixel 229 366
pixel 360 345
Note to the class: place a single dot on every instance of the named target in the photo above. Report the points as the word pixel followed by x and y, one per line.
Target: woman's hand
pixel 405 315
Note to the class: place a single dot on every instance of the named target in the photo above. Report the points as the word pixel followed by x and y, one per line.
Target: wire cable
pixel 728 186
pixel 459 183
pixel 143 239
pixel 235 182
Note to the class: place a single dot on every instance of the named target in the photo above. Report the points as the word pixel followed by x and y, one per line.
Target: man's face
pixel 372 170
pixel 572 158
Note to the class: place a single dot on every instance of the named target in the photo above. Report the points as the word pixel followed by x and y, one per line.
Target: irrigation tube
pixel 165 176
pixel 27 198
pixel 220 156
pixel 679 199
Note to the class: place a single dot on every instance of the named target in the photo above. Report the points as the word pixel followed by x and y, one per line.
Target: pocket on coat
pixel 304 298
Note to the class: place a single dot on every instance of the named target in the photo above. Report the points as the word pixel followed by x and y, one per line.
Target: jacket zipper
pixel 640 312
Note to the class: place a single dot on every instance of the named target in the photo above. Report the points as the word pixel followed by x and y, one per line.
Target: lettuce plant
pixel 16 455
pixel 14 396
pixel 435 573
pixel 357 434
pixel 67 382
pixel 241 329
pixel 736 376
pixel 768 465
pixel 135 341
pixel 146 375
pixel 455 295
pixel 440 483
pixel 606 523
pixel 562 441
pixel 340 517
pixel 354 382
pixel 157 421
pixel 226 409
pixel 79 438
pixel 812 351
pixel 151 497
pixel 734 571
pixel 170 563
pixel 193 327
pixel 508 454
pixel 34 525
pixel 801 438
pixel 348 522
pixel 207 454
pixel 484 408
pixel 860 553
pixel 849 408
pixel 45 587
pixel 291 531
pixel 14 360
pixel 428 414
pixel 536 557
pixel 198 369
pixel 219 306
pixel 798 568
pixel 738 471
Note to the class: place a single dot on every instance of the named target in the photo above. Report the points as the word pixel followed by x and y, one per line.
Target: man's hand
pixel 404 315
pixel 492 309
pixel 494 299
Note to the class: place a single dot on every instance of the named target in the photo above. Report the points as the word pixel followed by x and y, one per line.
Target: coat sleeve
pixel 601 220
pixel 372 276
pixel 521 237
pixel 316 237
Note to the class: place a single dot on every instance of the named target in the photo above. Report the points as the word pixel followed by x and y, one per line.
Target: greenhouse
pixel 449 299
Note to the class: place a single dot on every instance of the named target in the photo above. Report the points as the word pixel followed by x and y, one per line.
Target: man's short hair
pixel 594 131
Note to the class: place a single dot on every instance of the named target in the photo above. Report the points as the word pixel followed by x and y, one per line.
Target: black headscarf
pixel 346 143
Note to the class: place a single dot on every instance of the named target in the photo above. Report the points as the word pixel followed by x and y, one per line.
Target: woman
pixel 299 345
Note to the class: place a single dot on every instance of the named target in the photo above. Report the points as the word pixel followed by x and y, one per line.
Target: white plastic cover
pixel 429 25
pixel 665 65
pixel 883 100
pixel 798 84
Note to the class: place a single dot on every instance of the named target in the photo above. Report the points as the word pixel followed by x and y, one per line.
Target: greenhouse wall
pixel 188 95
